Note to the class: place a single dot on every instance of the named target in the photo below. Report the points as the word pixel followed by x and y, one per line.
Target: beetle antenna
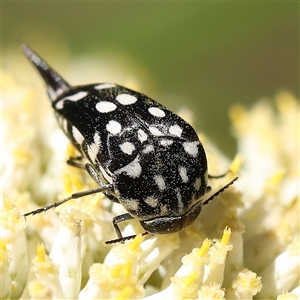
pixel 218 176
pixel 123 239
pixel 219 191
pixel 73 196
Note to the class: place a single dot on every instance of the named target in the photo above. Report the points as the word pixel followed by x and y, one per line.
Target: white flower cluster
pixel 245 243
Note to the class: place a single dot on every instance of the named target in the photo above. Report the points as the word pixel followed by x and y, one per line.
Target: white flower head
pixel 252 224
pixel 13 248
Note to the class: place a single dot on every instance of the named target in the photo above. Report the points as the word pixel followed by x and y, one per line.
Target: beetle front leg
pixel 119 219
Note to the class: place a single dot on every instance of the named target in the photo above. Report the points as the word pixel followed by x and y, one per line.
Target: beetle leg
pixel 73 162
pixel 119 219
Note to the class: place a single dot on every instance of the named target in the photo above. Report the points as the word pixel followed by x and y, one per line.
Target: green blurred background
pixel 204 55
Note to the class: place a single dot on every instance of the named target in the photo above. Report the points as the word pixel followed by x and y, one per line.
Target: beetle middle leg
pixel 74 162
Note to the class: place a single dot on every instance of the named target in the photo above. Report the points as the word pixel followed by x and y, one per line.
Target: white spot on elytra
pixel 133 169
pixel 105 106
pixel 164 210
pixel 179 198
pixel 103 86
pixel 93 148
pixel 60 104
pixel 126 99
pixel 105 174
pixel 183 174
pixel 160 182
pixel 142 136
pixel 156 112
pixel 97 140
pixel 175 130
pixel 166 143
pixel 127 147
pixel 191 148
pixel 75 97
pixel 155 131
pixel 151 201
pixel 78 137
pixel 148 149
pixel 197 184
pixel 130 204
pixel 114 127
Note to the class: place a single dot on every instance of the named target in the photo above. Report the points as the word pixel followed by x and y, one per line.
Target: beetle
pixel 140 154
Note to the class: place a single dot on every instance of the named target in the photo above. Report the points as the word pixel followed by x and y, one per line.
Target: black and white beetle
pixel 141 154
